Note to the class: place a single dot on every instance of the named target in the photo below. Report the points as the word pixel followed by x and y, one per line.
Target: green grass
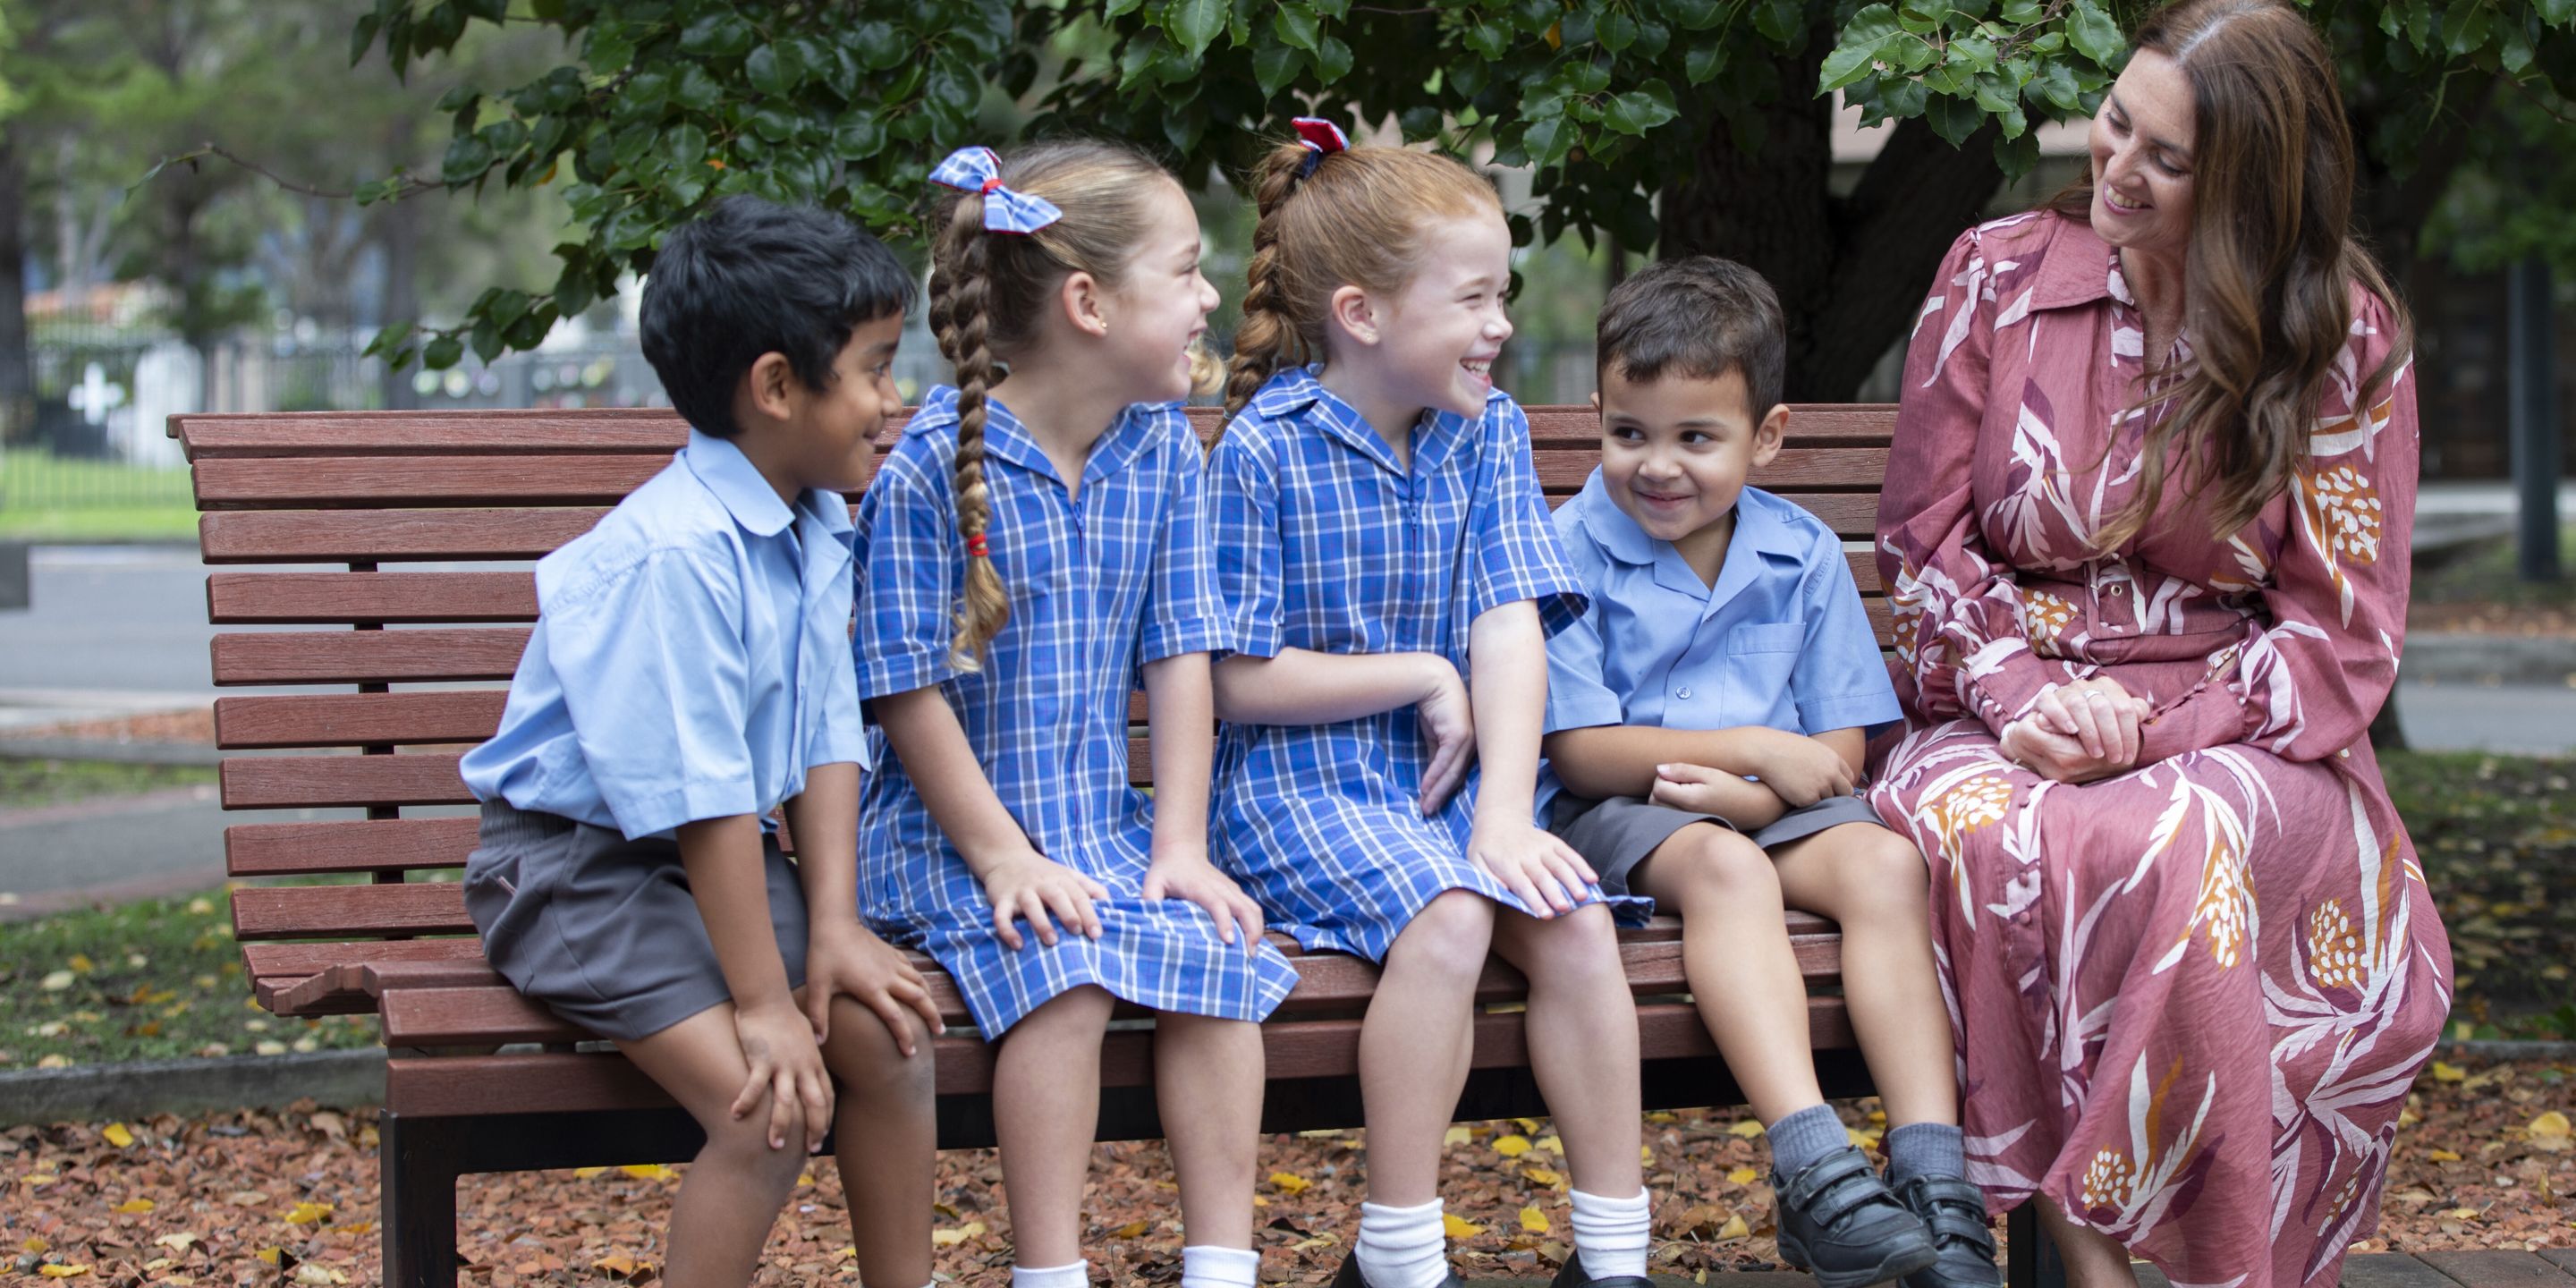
pixel 48 498
pixel 155 979
pixel 2497 835
pixel 26 783
pixel 2485 575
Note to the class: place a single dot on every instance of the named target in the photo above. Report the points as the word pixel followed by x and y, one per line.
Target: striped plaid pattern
pixel 1100 584
pixel 1325 543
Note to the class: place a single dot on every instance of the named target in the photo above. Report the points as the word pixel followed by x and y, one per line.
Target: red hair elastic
pixel 976 549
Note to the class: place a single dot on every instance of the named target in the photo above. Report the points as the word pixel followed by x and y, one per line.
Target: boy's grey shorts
pixel 603 930
pixel 1617 834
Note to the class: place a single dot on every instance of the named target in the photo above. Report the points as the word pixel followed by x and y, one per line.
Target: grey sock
pixel 1925 1149
pixel 1805 1136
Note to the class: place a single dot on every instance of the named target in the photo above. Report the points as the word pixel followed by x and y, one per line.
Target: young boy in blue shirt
pixel 689 673
pixel 1705 726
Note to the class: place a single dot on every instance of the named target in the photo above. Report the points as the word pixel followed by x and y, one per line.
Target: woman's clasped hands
pixel 2079 731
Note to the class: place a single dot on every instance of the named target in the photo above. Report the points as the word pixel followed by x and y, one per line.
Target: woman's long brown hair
pixel 2272 267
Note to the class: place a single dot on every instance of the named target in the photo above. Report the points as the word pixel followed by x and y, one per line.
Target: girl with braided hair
pixel 1392 576
pixel 1033 549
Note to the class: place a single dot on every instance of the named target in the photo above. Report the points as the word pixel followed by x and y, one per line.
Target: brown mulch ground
pixel 240 1198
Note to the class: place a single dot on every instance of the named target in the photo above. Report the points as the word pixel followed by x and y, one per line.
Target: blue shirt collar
pixel 1292 392
pixel 737 485
pixel 1758 526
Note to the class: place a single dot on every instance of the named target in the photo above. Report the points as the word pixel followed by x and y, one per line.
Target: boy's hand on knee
pixel 1449 723
pixel 1802 770
pixel 1546 873
pixel 1699 789
pixel 842 958
pixel 1193 878
pixel 786 1068
pixel 1043 891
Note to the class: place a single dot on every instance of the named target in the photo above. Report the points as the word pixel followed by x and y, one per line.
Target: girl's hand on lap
pixel 1043 891
pixel 842 958
pixel 1449 722
pixel 786 1060
pixel 1192 878
pixel 1546 873
pixel 1802 770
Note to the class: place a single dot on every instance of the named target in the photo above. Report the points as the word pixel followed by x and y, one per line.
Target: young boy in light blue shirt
pixel 1705 726
pixel 688 674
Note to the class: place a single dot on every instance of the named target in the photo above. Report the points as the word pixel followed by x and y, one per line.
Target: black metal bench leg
pixel 420 1164
pixel 2031 1261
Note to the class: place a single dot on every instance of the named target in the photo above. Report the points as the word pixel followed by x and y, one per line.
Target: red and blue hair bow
pixel 977 170
pixel 1320 136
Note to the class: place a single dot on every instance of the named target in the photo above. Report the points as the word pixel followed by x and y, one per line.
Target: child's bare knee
pixel 1451 932
pixel 1882 875
pixel 867 1056
pixel 1579 950
pixel 1725 864
pixel 740 1146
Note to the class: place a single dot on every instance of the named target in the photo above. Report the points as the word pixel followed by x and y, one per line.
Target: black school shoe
pixel 1963 1242
pixel 1572 1275
pixel 1349 1275
pixel 1838 1220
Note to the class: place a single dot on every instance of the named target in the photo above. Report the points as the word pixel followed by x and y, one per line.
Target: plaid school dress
pixel 1325 543
pixel 1101 583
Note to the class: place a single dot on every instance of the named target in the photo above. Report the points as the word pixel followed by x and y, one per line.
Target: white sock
pixel 1610 1234
pixel 1402 1247
pixel 1077 1275
pixel 1213 1267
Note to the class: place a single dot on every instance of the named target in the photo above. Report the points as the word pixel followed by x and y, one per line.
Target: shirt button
pixel 1682 693
pixel 2117 589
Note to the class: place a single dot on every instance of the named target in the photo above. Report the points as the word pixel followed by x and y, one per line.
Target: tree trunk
pixel 17 376
pixel 1849 270
pixel 400 235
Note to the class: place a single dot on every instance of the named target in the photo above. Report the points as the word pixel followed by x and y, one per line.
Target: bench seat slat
pixel 321 782
pixel 342 536
pixel 347 845
pixel 428 655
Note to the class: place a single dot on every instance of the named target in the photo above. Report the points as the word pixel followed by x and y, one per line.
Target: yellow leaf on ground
pixel 1747 1128
pixel 1458 1228
pixel 1527 1124
pixel 2442 1156
pixel 133 1207
pixel 2550 1126
pixel 952 1237
pixel 1735 1228
pixel 1456 1136
pixel 37 1180
pixel 158 1263
pixel 1309 1245
pixel 80 962
pixel 1646 1154
pixel 1533 1220
pixel 271 1255
pixel 177 1241
pixel 55 981
pixel 36 1243
pixel 2449 1072
pixel 1544 1175
pixel 1744 1176
pixel 621 1265
pixel 307 1213
pixel 650 1172
pixel 1130 1230
pixel 117 1135
pixel 62 1272
pixel 1512 1146
pixel 1862 1139
pixel 2462 1214
pixel 314 1275
pixel 1289 1182
pixel 1552 1145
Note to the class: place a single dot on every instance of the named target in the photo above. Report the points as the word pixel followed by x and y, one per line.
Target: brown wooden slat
pixel 253 598
pixel 339 536
pixel 1810 425
pixel 358 719
pixel 337 481
pixel 347 845
pixel 286 912
pixel 313 782
pixel 379 433
pixel 359 657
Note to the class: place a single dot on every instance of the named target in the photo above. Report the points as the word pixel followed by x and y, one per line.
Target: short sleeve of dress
pixel 1515 554
pixel 658 684
pixel 1959 636
pixel 1186 614
pixel 1243 502
pixel 907 578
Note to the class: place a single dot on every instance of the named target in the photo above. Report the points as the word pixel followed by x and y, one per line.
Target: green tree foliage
pixel 1672 125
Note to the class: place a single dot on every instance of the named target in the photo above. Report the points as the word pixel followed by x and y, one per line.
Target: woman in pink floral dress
pixel 2187 942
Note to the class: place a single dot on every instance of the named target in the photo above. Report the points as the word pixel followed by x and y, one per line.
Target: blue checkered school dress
pixel 1101 583
pixel 1325 543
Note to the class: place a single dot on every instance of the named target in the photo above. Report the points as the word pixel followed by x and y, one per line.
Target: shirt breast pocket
pixel 1761 660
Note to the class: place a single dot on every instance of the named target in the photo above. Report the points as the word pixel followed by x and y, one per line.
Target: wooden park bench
pixel 479 1079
